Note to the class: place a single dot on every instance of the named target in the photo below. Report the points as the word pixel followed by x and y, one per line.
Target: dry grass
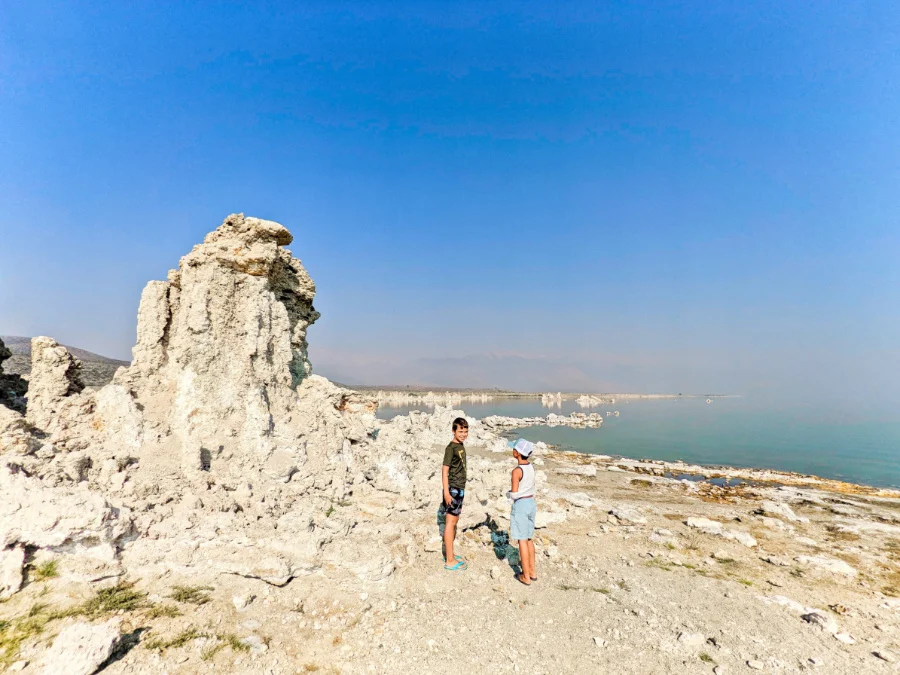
pixel 837 535
pixel 850 558
pixel 179 640
pixel 224 640
pixel 123 597
pixel 195 595
pixel 43 572
pixel 16 632
pixel 110 600
pixel 658 563
pixel 162 611
pixel 892 585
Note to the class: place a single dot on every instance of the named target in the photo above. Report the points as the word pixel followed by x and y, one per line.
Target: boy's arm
pixel 516 477
pixel 445 483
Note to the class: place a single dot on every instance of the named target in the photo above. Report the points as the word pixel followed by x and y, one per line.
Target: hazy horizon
pixel 633 197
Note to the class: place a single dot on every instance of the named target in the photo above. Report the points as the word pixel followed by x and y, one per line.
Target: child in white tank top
pixel 524 509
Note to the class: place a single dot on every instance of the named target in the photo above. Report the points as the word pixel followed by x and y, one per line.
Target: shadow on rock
pixel 126 643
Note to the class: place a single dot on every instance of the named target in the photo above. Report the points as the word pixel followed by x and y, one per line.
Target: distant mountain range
pixel 22 346
pixel 96 370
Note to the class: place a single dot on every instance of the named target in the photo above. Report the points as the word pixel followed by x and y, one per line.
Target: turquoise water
pixel 850 444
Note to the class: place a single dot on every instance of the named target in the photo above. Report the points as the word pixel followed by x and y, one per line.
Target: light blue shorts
pixel 521 520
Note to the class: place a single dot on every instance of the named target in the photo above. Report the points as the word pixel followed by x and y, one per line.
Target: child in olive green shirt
pixel 453 482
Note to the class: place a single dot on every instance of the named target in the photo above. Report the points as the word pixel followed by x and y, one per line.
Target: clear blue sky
pixel 665 196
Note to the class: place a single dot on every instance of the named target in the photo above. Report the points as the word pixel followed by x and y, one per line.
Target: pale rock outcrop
pixel 219 452
pixel 16 437
pixel 63 520
pixel 59 408
pixel 779 510
pixel 716 528
pixel 832 565
pixel 12 387
pixel 551 400
pixel 628 514
pixel 588 401
pixel 575 419
pixel 822 620
pixel 429 399
pixel 55 375
pixel 221 356
pixel 12 560
pixel 80 649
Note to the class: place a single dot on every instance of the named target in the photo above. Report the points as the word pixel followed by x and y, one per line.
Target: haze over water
pixel 858 443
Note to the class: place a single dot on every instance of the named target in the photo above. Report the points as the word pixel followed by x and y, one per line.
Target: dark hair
pixel 460 422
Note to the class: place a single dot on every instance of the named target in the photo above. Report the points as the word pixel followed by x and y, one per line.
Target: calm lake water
pixel 858 446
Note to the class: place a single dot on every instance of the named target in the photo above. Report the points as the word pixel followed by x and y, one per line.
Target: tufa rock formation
pixel 12 387
pixel 222 350
pixel 55 375
pixel 217 451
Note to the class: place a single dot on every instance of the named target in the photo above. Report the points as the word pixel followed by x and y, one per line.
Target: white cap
pixel 523 447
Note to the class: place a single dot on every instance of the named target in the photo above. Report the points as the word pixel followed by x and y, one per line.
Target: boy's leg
pixel 525 559
pixel 449 536
pixel 533 571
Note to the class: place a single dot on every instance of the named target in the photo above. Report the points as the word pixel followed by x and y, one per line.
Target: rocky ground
pixel 217 507
pixel 643 575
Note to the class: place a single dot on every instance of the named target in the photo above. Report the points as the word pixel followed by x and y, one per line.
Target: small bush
pixel 224 640
pixel 45 571
pixel 195 595
pixel 179 640
pixel 162 611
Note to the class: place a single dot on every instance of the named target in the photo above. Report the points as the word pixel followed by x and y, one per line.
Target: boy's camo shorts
pixel 456 501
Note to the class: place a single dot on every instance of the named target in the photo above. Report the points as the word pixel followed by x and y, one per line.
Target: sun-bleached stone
pixel 833 565
pixel 221 360
pixel 62 518
pixel 80 649
pixel 715 528
pixel 55 375
pixel 16 436
pixel 12 560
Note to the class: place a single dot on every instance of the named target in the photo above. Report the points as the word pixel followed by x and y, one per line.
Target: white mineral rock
pixel 11 562
pixel 81 648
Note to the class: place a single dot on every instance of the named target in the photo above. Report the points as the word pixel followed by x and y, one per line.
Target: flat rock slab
pixel 832 565
pixel 716 529
pixel 627 514
pixel 779 510
pixel 81 649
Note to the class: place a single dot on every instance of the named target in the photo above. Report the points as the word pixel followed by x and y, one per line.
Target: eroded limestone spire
pixel 221 344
